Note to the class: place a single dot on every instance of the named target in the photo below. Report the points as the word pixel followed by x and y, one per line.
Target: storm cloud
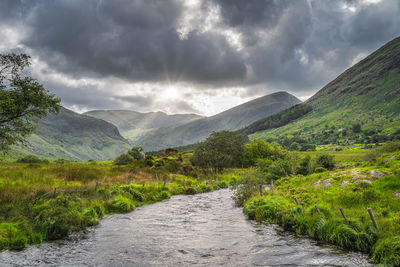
pixel 153 54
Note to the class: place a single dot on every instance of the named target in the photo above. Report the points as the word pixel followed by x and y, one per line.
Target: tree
pixel 136 153
pixel 259 149
pixel 326 161
pixel 123 159
pixel 356 128
pixel 220 150
pixel 23 101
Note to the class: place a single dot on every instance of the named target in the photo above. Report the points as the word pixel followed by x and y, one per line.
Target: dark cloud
pixel 296 46
pixel 135 40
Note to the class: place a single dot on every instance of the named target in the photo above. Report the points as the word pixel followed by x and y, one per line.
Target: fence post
pixel 297 201
pixel 371 214
pixel 261 189
pixel 344 216
pixel 95 188
pixel 316 207
pixel 272 187
pixel 55 192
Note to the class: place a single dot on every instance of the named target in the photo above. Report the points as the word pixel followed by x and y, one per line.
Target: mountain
pixel 232 119
pixel 134 125
pixel 367 94
pixel 127 120
pixel 74 136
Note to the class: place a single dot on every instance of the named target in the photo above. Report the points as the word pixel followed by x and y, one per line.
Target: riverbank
pixel 49 201
pixel 187 230
pixel 310 205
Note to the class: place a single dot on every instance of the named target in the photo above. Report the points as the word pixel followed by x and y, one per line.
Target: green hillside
pixel 362 105
pixel 74 136
pixel 232 119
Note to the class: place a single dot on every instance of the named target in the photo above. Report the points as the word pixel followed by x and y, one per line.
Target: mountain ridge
pixel 367 93
pixel 231 119
pixel 74 136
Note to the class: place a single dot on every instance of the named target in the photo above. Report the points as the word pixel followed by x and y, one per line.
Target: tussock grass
pixel 31 211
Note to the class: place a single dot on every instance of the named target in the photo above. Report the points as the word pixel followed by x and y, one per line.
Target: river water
pixel 199 230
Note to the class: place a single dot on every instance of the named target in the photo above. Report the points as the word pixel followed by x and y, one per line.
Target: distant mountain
pixel 127 120
pixel 74 136
pixel 368 94
pixel 232 119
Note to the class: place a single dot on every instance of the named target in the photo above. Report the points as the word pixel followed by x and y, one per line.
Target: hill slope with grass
pixel 232 119
pixel 361 105
pixel 74 136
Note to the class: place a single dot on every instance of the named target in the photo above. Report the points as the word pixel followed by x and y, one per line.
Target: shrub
pixel 31 159
pixel 305 167
pixel 249 187
pixel 326 161
pixel 123 159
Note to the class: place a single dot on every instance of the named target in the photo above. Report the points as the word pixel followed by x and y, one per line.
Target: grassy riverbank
pixel 48 201
pixel 372 183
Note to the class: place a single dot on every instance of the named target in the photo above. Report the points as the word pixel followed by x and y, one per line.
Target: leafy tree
pixel 124 159
pixel 326 161
pixel 220 150
pixel 260 149
pixel 294 146
pixel 305 166
pixel 356 128
pixel 136 153
pixel 23 101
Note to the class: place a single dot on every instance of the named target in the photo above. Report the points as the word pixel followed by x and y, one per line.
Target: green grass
pixel 48 201
pixel 341 188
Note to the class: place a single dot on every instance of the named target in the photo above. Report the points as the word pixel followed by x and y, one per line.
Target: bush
pixel 305 167
pixel 123 159
pixel 249 187
pixel 32 159
pixel 326 161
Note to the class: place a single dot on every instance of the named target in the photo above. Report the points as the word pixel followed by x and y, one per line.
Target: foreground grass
pixel 50 201
pixel 371 184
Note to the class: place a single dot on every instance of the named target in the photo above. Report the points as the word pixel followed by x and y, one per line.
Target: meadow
pixel 49 201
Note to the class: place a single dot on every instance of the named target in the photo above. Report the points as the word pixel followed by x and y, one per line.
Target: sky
pixel 191 56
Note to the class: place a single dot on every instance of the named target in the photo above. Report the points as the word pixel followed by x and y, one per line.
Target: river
pixel 199 230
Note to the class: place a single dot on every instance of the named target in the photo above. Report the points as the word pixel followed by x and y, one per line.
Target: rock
pixel 363 181
pixel 341 167
pixel 345 183
pixel 376 174
pixel 327 183
pixel 386 160
pixel 317 182
pixel 397 195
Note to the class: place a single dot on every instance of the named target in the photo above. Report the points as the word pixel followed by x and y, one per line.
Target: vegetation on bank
pixel 48 201
pixel 372 183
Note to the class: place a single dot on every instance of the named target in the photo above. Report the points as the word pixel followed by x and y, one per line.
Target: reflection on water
pixel 199 230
